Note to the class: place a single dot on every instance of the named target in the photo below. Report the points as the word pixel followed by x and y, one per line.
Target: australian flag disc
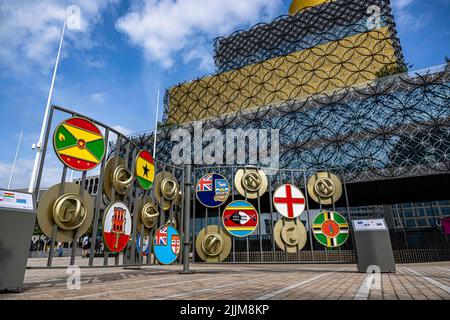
pixel 167 244
pixel 212 190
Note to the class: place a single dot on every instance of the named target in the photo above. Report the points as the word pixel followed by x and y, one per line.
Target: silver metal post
pixel 39 150
pixel 187 217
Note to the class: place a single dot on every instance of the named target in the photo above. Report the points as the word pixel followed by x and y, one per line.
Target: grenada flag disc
pixel 145 170
pixel 79 144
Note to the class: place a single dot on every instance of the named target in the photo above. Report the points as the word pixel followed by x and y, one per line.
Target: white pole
pixel 37 159
pixel 15 160
pixel 156 127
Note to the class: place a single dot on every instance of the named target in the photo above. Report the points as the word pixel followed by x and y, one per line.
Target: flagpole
pixel 37 159
pixel 156 127
pixel 15 160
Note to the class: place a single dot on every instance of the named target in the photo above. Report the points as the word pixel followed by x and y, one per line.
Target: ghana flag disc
pixel 240 219
pixel 331 229
pixel 145 170
pixel 79 144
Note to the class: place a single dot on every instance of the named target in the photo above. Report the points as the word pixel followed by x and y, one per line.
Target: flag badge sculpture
pixel 289 201
pixel 145 170
pixel 145 243
pixel 167 244
pixel 240 219
pixel 330 229
pixel 79 144
pixel 213 190
pixel 116 226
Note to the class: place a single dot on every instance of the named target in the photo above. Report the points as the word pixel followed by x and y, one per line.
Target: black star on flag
pixel 146 170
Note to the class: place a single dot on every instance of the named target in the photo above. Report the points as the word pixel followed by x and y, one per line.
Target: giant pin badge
pixel 69 212
pixel 325 188
pixel 116 226
pixel 240 218
pixel 330 229
pixel 167 244
pixel 148 215
pixel 145 243
pixel 166 189
pixel 117 176
pixel 213 244
pixel 79 144
pixel 290 235
pixel 212 190
pixel 251 182
pixel 145 170
pixel 289 201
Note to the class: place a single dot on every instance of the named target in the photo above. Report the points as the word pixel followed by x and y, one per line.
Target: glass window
pixel 410 223
pixel 407 205
pixel 445 211
pixel 432 212
pixel 421 212
pixel 408 213
pixel 422 223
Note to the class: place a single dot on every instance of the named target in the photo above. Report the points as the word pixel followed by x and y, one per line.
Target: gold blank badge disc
pixel 290 235
pixel 118 177
pixel 69 212
pixel 166 189
pixel 148 215
pixel 251 182
pixel 325 188
pixel 213 244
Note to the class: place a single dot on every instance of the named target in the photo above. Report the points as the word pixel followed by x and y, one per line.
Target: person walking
pixel 85 246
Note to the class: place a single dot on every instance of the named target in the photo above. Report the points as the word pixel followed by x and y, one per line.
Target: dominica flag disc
pixel 79 144
pixel 240 218
pixel 145 170
pixel 330 229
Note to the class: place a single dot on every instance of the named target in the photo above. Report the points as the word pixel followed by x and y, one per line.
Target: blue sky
pixel 125 51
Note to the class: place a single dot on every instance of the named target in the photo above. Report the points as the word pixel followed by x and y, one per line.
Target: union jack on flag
pixel 161 237
pixel 205 183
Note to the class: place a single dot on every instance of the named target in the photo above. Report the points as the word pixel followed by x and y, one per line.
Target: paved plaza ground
pixel 236 282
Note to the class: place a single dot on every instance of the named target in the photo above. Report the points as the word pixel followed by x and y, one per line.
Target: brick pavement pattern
pixel 238 281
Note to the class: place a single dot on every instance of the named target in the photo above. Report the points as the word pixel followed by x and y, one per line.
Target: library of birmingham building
pixel 331 77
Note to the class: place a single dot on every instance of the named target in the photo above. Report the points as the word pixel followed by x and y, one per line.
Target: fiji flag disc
pixel 167 244
pixel 213 190
pixel 331 229
pixel 79 144
pixel 240 219
pixel 145 170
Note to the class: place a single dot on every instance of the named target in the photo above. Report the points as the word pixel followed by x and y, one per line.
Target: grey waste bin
pixel 373 245
pixel 17 219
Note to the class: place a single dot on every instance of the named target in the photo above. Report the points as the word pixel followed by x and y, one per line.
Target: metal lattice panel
pixel 325 23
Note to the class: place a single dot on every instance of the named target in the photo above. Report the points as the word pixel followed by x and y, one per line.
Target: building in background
pixel 332 79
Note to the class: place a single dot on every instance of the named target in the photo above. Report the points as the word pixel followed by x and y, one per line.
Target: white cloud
pixel 122 130
pixel 164 28
pixel 407 18
pixel 98 97
pixel 22 173
pixel 30 31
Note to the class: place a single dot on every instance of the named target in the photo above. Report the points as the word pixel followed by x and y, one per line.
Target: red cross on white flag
pixel 289 201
